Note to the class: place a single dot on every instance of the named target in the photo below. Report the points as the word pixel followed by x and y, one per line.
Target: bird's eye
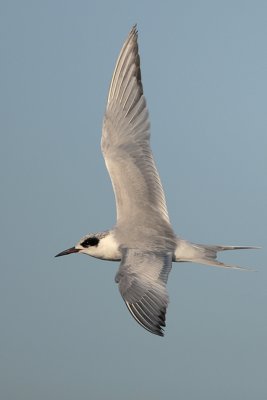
pixel 92 241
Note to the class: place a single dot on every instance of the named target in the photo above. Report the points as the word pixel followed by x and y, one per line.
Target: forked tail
pixel 205 254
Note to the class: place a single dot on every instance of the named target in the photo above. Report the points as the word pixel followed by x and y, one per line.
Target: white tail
pixel 205 254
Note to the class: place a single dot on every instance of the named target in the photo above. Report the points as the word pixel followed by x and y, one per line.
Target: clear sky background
pixel 65 332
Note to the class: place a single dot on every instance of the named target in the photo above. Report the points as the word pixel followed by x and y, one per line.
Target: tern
pixel 142 239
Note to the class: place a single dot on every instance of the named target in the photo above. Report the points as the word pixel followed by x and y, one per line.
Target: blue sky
pixel 65 332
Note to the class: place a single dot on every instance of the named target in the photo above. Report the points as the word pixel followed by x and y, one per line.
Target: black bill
pixel 68 251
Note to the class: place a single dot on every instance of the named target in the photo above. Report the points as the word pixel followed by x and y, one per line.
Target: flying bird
pixel 143 239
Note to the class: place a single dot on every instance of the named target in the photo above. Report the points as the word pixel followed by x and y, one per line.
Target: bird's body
pixel 142 239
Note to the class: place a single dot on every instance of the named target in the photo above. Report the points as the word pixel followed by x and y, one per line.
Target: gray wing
pixel 125 143
pixel 142 279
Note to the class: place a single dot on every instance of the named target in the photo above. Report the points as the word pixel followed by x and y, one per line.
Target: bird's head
pixel 87 245
pixel 100 245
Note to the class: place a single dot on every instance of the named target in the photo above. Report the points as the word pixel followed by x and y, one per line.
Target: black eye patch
pixel 92 241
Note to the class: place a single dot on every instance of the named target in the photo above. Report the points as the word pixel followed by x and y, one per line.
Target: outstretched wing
pixel 142 279
pixel 125 143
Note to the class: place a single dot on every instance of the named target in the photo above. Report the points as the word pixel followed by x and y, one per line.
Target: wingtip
pixel 134 31
pixel 156 329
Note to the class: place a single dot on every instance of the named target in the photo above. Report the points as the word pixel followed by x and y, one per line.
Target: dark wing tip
pixel 134 34
pixel 134 30
pixel 152 322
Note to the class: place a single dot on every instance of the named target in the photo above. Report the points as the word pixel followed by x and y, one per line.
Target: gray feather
pixel 125 144
pixel 142 279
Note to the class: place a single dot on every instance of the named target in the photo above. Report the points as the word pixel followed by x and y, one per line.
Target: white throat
pixel 107 248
